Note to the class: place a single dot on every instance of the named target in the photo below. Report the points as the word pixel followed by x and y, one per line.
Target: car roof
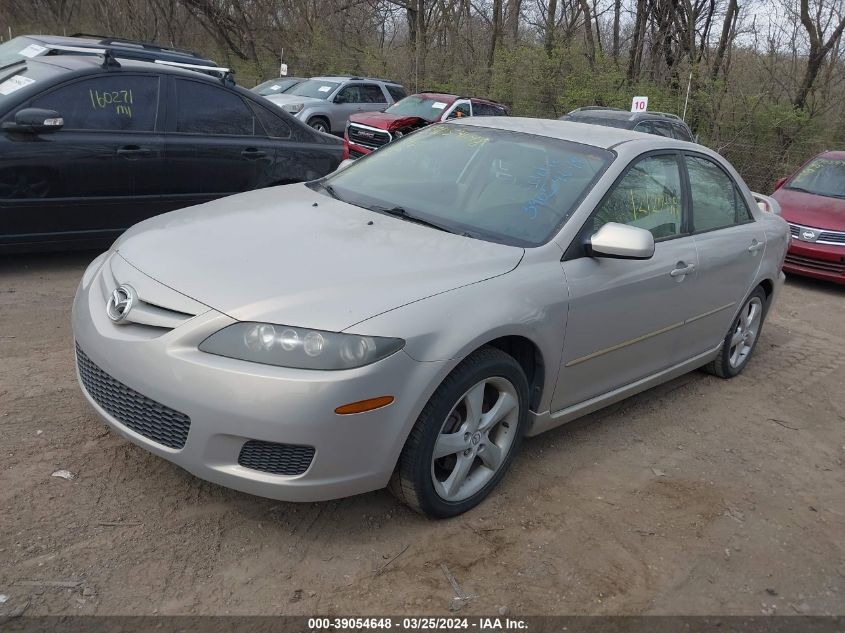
pixel 342 78
pixel 117 44
pixel 584 133
pixel 616 114
pixel 833 154
pixel 90 62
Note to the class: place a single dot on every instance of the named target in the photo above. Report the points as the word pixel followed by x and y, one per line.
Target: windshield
pixel 275 86
pixel 822 176
pixel 313 88
pixel 19 49
pixel 507 187
pixel 422 107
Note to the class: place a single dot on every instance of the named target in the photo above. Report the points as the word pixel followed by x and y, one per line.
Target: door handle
pixel 682 269
pixel 250 153
pixel 755 246
pixel 133 151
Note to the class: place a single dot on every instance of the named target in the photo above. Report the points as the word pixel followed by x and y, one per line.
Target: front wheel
pixel 320 124
pixel 742 338
pixel 466 436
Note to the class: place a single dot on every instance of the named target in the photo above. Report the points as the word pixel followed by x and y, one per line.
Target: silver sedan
pixel 407 320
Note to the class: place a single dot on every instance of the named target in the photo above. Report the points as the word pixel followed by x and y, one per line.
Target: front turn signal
pixel 363 406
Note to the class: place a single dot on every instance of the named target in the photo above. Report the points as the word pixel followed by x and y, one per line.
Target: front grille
pixel 371 139
pixel 354 153
pixel 141 414
pixel 832 237
pixel 277 459
pixel 816 264
pixel 825 237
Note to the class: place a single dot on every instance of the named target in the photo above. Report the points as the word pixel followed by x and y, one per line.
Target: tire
pixel 320 124
pixel 478 448
pixel 741 338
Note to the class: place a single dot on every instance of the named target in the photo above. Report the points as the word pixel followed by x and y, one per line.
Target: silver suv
pixel 325 103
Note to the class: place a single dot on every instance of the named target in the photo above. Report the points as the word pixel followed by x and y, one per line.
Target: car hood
pixel 286 98
pixel 293 256
pixel 387 121
pixel 809 209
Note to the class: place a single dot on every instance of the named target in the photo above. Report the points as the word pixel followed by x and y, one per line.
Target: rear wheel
pixel 742 338
pixel 319 124
pixel 466 436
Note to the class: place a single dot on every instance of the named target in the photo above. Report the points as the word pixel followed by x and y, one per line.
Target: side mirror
pixel 341 98
pixel 35 121
pixel 620 241
pixel 781 182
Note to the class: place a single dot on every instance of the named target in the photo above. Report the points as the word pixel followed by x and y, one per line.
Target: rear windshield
pixel 422 107
pixel 19 49
pixel 315 88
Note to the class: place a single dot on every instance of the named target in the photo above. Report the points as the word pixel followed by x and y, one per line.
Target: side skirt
pixel 541 422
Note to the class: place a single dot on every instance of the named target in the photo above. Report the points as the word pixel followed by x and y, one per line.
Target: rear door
pixel 730 246
pixel 215 145
pixel 96 176
pixel 625 315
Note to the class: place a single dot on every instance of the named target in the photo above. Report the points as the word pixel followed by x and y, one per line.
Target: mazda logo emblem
pixel 120 303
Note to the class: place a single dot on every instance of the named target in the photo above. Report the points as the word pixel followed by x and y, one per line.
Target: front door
pixel 625 315
pixel 96 176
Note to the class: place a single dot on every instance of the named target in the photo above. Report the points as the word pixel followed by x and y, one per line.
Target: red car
pixel 367 131
pixel 812 200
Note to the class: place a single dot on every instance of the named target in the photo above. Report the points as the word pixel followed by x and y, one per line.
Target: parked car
pixel 25 47
pixel 409 318
pixel 276 86
pixel 90 147
pixel 326 103
pixel 812 200
pixel 659 123
pixel 368 131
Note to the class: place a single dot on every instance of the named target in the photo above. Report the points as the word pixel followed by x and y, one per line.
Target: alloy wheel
pixel 475 439
pixel 746 331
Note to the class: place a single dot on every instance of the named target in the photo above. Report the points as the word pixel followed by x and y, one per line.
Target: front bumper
pixel 231 402
pixel 822 261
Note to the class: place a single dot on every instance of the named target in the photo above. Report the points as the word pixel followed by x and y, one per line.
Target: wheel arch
pixel 525 352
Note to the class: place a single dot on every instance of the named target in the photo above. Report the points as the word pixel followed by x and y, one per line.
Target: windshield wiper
pixel 399 212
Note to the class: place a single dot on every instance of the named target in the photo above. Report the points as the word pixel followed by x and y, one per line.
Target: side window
pixel 349 94
pixel 716 201
pixel 461 110
pixel 662 128
pixel 274 125
pixel 397 92
pixel 207 109
pixel 648 196
pixel 499 111
pixel 681 132
pixel 481 109
pixel 371 93
pixel 115 102
pixel 646 127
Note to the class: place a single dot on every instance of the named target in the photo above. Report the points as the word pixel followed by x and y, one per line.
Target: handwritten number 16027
pixel 113 97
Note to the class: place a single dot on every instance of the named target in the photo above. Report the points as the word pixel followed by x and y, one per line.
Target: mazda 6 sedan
pixel 407 320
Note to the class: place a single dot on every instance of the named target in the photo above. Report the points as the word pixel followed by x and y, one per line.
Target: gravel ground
pixel 701 496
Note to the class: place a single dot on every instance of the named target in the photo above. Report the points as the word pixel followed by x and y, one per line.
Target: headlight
pixel 293 108
pixel 298 348
pixel 398 134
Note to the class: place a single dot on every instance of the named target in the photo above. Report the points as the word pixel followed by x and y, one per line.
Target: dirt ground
pixel 701 496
